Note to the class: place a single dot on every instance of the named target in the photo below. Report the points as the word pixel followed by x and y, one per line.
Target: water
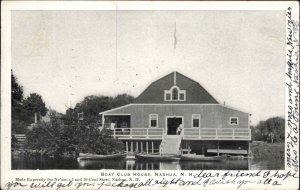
pixel 33 163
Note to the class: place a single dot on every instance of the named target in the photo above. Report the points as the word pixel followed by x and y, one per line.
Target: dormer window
pixel 168 96
pixel 182 96
pixel 175 94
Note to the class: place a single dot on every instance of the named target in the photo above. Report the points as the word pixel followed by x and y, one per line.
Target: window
pixel 195 120
pixel 181 96
pixel 80 116
pixel 153 120
pixel 234 121
pixel 175 94
pixel 168 96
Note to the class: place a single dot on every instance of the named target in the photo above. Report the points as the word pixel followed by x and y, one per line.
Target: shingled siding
pixel 195 93
pixel 212 116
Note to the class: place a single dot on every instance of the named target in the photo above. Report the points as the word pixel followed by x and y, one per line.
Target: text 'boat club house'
pixel 176 115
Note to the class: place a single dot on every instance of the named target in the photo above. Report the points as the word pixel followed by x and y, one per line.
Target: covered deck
pixel 121 127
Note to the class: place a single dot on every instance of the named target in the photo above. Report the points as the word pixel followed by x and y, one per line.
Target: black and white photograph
pixel 151 90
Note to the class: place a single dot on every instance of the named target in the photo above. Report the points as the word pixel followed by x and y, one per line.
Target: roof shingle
pixel 195 93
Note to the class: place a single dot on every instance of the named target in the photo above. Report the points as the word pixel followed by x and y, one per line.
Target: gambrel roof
pixel 194 92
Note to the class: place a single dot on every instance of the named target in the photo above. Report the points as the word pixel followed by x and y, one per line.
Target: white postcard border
pixel 8 176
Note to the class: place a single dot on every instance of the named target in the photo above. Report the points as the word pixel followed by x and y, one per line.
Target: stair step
pixel 170 145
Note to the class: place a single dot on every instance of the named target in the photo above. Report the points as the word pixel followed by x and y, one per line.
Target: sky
pixel 237 56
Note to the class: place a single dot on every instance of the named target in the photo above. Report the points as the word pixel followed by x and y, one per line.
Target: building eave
pixel 169 104
pixel 114 109
pixel 229 107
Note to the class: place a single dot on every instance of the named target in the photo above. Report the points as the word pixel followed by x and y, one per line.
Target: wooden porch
pixel 187 133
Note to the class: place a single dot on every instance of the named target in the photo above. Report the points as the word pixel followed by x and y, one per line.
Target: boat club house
pixel 176 115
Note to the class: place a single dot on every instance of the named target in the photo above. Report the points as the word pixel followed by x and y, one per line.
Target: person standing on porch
pixel 112 125
pixel 179 129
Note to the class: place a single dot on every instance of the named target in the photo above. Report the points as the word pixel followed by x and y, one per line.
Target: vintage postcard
pixel 149 95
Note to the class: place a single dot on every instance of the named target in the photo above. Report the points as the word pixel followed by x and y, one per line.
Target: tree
pixel 92 140
pixel 16 91
pixel 16 97
pixel 92 105
pixel 14 142
pixel 271 130
pixel 34 104
pixel 122 99
pixel 48 138
pixel 57 139
pixel 276 129
pixel 18 126
pixel 17 113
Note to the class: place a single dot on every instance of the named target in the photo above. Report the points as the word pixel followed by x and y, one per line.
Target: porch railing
pixel 216 134
pixel 187 133
pixel 139 133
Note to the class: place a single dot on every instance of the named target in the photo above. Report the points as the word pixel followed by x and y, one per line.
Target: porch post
pixel 126 146
pixel 147 147
pixel 248 148
pixel 35 117
pixel 141 146
pixel 137 146
pixel 218 149
pixel 152 147
pixel 131 146
pixel 249 162
pixel 103 120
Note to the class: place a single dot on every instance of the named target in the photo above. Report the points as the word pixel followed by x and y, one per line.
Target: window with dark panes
pixel 196 120
pixel 234 121
pixel 181 96
pixel 153 120
pixel 168 96
pixel 175 94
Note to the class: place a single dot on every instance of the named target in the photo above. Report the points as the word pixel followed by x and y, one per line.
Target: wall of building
pixel 212 116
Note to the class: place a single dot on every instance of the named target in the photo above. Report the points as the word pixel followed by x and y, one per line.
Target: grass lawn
pixel 268 151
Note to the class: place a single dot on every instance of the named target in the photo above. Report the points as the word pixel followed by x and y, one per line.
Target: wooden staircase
pixel 170 145
pixel 21 139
